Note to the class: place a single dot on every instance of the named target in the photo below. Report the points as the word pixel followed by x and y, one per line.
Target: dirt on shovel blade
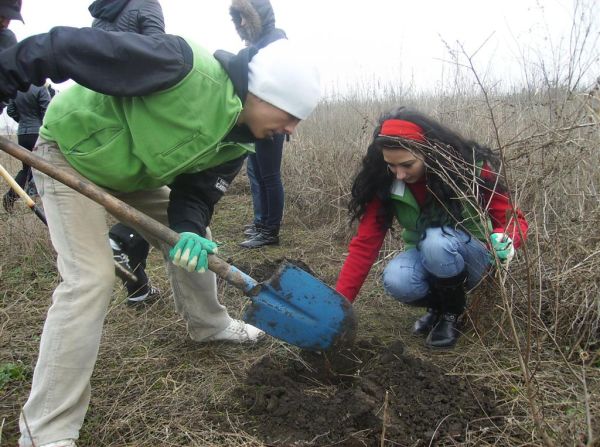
pixel 263 271
pixel 320 400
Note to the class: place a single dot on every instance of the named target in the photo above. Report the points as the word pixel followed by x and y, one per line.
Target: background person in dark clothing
pixel 27 109
pixel 254 21
pixel 9 10
pixel 130 249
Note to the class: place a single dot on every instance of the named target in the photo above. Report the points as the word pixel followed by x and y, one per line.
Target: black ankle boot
pixel 424 324
pixel 264 236
pixel 453 300
pixel 445 333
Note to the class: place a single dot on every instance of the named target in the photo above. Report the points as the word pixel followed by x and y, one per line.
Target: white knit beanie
pixel 283 76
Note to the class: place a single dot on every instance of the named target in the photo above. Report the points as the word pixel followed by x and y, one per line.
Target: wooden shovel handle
pixel 123 212
pixel 15 186
pixel 23 195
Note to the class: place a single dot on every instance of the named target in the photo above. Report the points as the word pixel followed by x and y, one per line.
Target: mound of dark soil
pixel 355 396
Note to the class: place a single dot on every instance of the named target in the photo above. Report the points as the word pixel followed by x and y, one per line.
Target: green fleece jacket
pixel 144 142
pixel 408 212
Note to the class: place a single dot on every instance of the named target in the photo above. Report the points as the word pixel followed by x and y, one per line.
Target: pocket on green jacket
pixel 93 142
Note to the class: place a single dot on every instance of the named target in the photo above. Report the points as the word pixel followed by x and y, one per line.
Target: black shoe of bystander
pixel 264 236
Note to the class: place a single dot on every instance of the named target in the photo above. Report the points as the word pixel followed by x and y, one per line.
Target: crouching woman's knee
pixel 397 283
pixel 437 244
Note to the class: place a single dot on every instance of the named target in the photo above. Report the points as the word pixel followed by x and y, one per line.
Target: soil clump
pixel 320 399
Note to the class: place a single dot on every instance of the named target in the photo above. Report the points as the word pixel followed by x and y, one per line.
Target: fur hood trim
pixel 258 15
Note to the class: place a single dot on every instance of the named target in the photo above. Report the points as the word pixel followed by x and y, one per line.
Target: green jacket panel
pixel 408 211
pixel 144 142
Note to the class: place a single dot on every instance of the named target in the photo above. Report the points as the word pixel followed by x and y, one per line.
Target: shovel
pixel 292 305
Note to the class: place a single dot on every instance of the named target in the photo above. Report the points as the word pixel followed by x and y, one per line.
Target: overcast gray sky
pixel 363 41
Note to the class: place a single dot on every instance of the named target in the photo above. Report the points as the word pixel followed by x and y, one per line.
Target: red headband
pixel 403 129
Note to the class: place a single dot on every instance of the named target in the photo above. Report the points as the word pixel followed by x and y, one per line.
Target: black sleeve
pixel 112 63
pixel 43 101
pixel 12 111
pixel 193 196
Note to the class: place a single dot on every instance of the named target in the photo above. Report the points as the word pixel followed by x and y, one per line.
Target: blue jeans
pixel 443 253
pixel 264 172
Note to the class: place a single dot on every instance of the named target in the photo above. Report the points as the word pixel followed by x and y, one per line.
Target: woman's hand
pixel 191 252
pixel 502 244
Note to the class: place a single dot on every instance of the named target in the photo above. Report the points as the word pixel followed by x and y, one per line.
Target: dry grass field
pixel 532 336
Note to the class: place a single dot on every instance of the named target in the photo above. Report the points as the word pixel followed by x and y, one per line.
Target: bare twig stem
pixel 385 417
pixel 523 354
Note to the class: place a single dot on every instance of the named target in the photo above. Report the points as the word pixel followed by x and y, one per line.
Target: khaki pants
pixel 60 392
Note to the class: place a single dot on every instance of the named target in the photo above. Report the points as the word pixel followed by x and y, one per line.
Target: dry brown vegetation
pixel 535 341
pixel 534 337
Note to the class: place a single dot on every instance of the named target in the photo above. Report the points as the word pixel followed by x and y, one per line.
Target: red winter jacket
pixel 364 247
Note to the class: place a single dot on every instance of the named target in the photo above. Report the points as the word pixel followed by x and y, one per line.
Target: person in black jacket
pixel 9 10
pixel 254 21
pixel 27 109
pixel 130 249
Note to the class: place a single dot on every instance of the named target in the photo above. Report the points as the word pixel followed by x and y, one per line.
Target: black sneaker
pixel 144 299
pixel 122 267
pixel 31 189
pixel 263 237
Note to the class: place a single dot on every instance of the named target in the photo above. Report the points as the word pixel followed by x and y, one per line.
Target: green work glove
pixel 502 244
pixel 191 252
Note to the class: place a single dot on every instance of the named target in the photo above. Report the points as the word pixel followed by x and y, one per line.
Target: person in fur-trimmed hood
pixel 254 21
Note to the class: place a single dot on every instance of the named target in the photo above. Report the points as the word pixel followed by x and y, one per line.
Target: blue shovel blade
pixel 299 309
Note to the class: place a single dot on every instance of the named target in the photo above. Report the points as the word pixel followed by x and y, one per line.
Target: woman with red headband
pixel 455 214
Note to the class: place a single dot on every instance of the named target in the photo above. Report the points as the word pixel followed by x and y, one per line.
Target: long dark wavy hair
pixel 451 162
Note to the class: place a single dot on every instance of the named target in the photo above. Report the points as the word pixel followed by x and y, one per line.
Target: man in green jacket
pixel 163 125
